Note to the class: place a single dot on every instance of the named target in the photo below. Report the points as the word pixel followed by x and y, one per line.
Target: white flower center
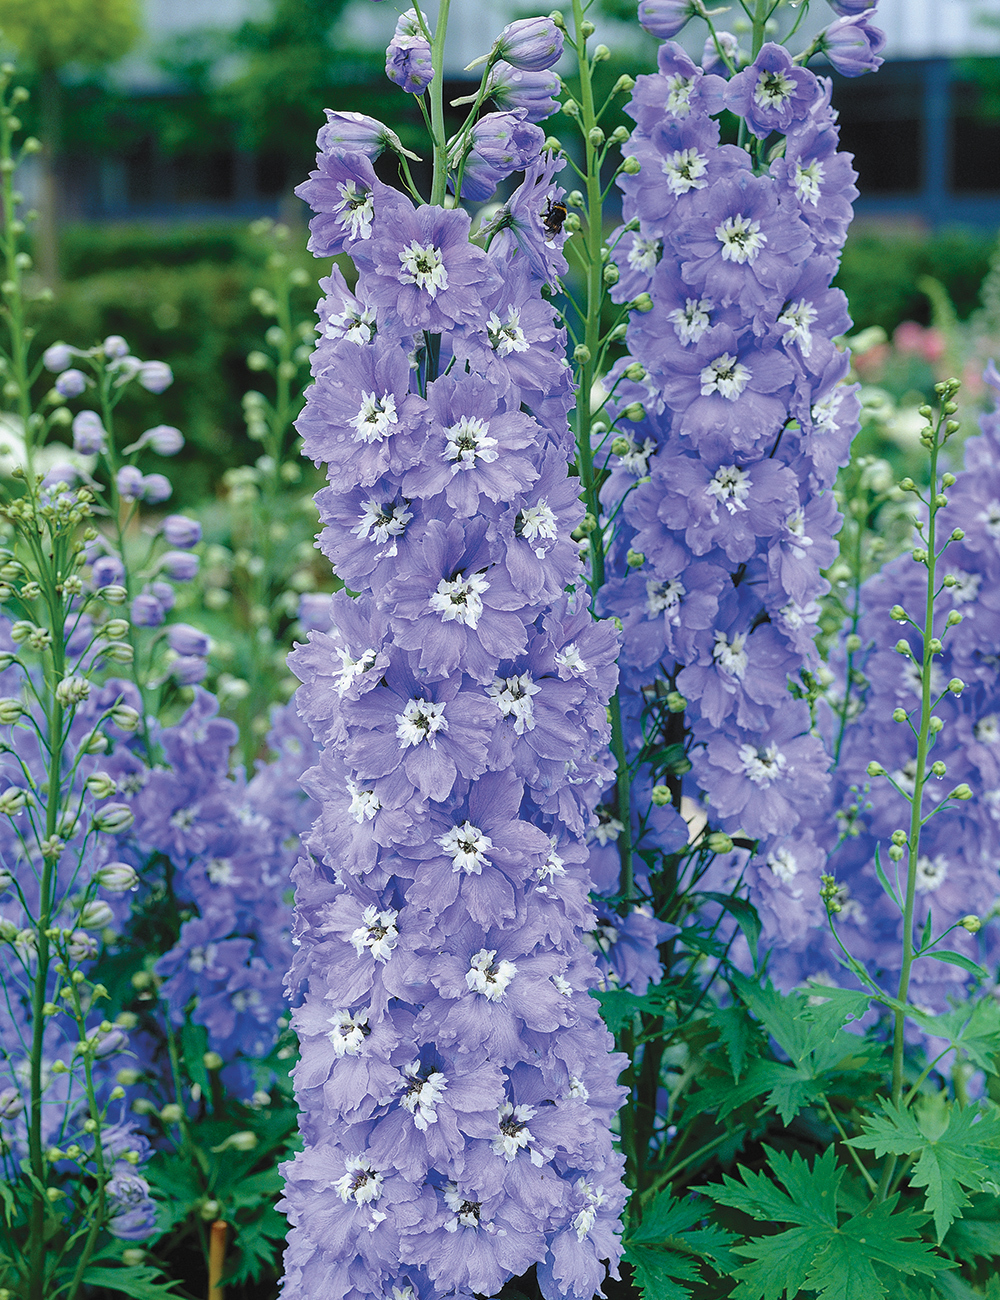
pixel 422 1096
pixel 569 658
pixel 220 871
pixel 913 679
pixel 636 458
pixel 469 442
pixel 931 872
pixel 467 847
pixel 512 696
pixel 514 1132
pixel 987 730
pixel 692 320
pixel 782 863
pixel 488 976
pixel 364 804
pixel 460 599
pixel 349 1032
pixel 507 336
pixel 355 210
pixel 824 413
pixel 466 1212
pixel 644 254
pixel 361 1183
pixel 608 828
pixel 772 89
pixel 584 1220
pixel 685 170
pixel 537 521
pixel 352 669
pixel 420 720
pixel 377 932
pixel 740 238
pixel 730 486
pixel 797 318
pixel 380 522
pixel 724 375
pixel 678 101
pixel 763 765
pixel 731 656
pixel 354 323
pixel 423 265
pixel 665 598
pixel 966 588
pixel 552 867
pixel 991 518
pixel 808 179
pixel 374 421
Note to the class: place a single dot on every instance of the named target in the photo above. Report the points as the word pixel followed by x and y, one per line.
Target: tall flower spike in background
pixel 456 1082
pixel 723 491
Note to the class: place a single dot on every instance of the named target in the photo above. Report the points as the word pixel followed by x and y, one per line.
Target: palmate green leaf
pixel 666 1250
pixel 258 1246
pixel 142 1281
pixel 959 1159
pixel 974 1027
pixel 738 1034
pixel 744 914
pixel 619 1006
pixel 837 1259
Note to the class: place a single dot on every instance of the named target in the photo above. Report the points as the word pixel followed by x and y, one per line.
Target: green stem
pixel 436 91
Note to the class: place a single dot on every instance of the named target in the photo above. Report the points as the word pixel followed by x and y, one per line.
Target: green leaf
pixel 257 1246
pixel 744 914
pixel 821 1252
pixel 950 1163
pixel 141 1281
pixel 737 1033
pixel 619 1006
pixel 972 1026
pixel 667 1248
pixel 884 881
pixel 956 959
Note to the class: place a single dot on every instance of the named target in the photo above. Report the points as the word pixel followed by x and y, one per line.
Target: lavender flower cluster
pixel 723 492
pixel 455 1082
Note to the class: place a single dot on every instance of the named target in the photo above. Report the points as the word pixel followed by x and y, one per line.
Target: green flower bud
pixel 581 354
pixel 635 411
pixel 898 613
pixel 956 686
pixel 852 643
pixel 957 534
pixel 961 792
pixel 212 1061
pixel 938 769
pixel 611 274
pixel 875 769
pixel 631 166
pixel 895 852
pixel 903 648
pixel 899 715
pixel 635 559
pixel 935 725
pixel 676 702
pixel 920 555
pixel 660 795
pixel 171 1113
pixel 643 303
pixel 621 446
pixel 114 594
pixel 719 842
pixel 935 646
pixel 899 837
pixel 636 372
pixel 971 923
pixel 953 620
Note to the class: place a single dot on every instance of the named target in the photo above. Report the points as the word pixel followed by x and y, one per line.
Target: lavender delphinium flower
pixel 726 479
pixel 455 1080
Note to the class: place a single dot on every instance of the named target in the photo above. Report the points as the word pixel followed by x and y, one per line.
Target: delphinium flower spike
pixel 456 1082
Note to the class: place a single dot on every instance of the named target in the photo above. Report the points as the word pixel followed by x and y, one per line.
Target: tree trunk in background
pixel 47 225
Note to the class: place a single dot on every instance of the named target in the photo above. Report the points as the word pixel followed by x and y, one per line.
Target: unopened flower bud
pixel 956 686
pixel 935 646
pixel 971 923
pixel 953 619
pixel 10 711
pixel 635 411
pixel 938 769
pixel 114 594
pixel 899 715
pixel 115 628
pixel 903 647
pixel 118 877
pixel 957 534
pixel 635 372
pixel 581 354
pixel 72 690
pixel 212 1061
pixel 920 555
pixel 895 852
pixel 935 725
pixel 961 792
pixel 852 643
pixel 642 303
pixel 12 800
pixel 898 613
pixel 210 1210
pixel 125 717
pixel 171 1113
pixel 113 818
pixel 676 703
pixel 631 166
pixel 660 795
pixel 719 842
pixel 635 559
pixel 621 446
pixel 875 769
pixel 610 274
pixel 96 915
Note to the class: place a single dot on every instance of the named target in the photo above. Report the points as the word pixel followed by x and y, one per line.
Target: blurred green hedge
pixel 181 293
pixel 881 268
